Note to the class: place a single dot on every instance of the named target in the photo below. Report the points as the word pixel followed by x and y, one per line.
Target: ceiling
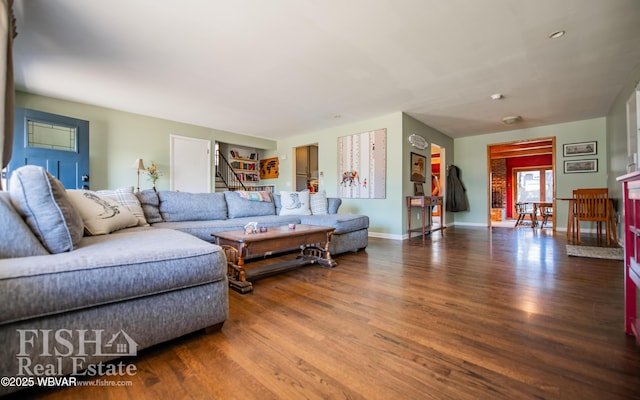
pixel 284 67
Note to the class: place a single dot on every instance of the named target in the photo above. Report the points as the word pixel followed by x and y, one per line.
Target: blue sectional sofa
pixel 201 214
pixel 67 297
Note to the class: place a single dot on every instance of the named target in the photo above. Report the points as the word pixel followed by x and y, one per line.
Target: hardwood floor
pixel 471 313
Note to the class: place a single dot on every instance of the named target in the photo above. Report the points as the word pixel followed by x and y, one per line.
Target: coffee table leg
pixel 318 255
pixel 235 269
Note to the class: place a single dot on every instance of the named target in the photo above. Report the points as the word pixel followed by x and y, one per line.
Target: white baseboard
pixel 385 236
pixel 469 224
pixel 396 237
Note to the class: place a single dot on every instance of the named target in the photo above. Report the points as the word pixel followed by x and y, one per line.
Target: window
pixel 533 184
pixel 50 136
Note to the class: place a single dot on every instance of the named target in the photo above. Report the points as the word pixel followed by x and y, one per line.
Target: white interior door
pixel 190 164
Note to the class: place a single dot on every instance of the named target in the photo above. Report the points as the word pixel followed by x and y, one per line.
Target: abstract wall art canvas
pixel 362 165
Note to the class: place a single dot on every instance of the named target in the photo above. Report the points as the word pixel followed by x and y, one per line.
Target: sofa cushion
pixel 277 202
pixel 318 203
pixel 295 203
pixel 334 205
pixel 107 269
pixel 100 214
pixel 43 203
pixel 239 207
pixel 150 205
pixel 184 206
pixel 128 199
pixel 16 238
pixel 343 223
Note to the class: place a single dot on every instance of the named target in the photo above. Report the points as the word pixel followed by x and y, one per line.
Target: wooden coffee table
pixel 313 242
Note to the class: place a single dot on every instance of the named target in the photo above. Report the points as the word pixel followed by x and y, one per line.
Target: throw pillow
pixel 127 198
pixel 100 214
pixel 43 203
pixel 150 205
pixel 16 238
pixel 319 204
pixel 295 203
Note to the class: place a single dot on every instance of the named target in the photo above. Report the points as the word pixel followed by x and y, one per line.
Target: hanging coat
pixel 456 192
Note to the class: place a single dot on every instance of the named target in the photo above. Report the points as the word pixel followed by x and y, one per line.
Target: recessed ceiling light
pixel 496 96
pixel 557 34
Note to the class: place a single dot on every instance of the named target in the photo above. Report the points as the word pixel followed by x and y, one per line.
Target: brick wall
pixel 499 183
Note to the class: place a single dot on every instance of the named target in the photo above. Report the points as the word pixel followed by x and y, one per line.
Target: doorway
pixel 519 171
pixel 438 178
pixel 306 172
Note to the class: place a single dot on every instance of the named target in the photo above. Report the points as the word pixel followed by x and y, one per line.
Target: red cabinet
pixel 631 195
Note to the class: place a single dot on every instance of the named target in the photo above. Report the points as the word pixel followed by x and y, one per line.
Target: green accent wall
pixel 411 126
pixel 118 138
pixel 471 158
pixel 385 215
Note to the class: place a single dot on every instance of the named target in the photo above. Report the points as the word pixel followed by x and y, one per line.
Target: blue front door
pixel 57 143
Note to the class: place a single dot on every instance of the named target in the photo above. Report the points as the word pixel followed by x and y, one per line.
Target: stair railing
pixel 225 172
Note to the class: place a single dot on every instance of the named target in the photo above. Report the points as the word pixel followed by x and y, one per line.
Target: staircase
pixel 226 179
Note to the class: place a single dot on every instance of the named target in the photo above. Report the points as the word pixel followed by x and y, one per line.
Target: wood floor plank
pixel 470 313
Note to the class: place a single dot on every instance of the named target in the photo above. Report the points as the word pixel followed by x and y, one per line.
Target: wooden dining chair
pixel 593 205
pixel 523 210
pixel 546 212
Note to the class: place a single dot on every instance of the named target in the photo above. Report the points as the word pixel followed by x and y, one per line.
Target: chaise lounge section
pixel 60 289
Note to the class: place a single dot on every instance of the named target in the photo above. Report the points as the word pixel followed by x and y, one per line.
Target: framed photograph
pixel 572 167
pixel 418 189
pixel 580 149
pixel 418 165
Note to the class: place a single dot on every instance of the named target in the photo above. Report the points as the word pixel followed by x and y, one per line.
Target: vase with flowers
pixel 153 174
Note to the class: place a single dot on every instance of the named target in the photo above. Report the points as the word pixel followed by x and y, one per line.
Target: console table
pixel 426 203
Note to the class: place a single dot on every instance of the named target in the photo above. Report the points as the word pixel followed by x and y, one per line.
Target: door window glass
pixel 528 186
pixel 534 185
pixel 50 136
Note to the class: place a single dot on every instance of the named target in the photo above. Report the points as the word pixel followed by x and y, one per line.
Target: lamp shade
pixel 138 164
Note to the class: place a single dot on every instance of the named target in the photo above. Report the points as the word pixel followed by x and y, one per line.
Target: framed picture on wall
pixel 580 149
pixel 418 189
pixel 418 168
pixel 577 166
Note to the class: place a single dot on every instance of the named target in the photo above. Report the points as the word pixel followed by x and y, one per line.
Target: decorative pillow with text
pixel 127 198
pixel 100 214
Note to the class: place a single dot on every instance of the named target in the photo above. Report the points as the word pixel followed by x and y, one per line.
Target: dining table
pixel 537 205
